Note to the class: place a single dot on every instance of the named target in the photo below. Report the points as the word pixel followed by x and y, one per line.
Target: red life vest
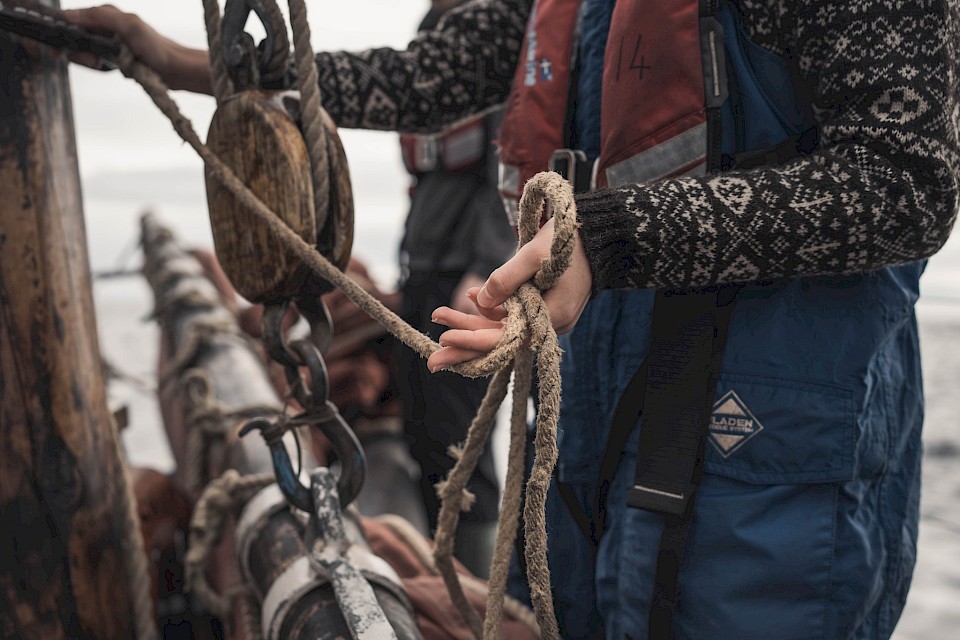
pixel 457 148
pixel 654 112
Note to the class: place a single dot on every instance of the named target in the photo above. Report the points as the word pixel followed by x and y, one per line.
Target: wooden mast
pixel 63 569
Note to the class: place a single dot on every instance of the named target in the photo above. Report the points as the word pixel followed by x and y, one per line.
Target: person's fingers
pixel 493 313
pixel 105 19
pixel 478 340
pixel 507 278
pixel 85 58
pixel 449 356
pixel 459 299
pixel 463 304
pixel 459 320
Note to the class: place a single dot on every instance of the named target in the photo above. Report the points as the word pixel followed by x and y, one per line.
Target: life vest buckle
pixel 573 166
pixel 426 156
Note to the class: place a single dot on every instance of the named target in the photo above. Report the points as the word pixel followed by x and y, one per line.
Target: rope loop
pixel 547 190
pixel 527 317
pixel 220 501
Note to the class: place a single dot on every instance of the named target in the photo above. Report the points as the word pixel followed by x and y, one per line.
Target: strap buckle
pixel 426 155
pixel 573 166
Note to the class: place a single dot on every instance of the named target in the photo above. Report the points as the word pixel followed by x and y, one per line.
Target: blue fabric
pixel 767 103
pixel 807 529
pixel 594 26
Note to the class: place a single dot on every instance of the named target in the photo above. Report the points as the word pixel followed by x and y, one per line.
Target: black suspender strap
pixel 802 144
pixel 584 521
pixel 674 388
pixel 628 410
pixel 686 348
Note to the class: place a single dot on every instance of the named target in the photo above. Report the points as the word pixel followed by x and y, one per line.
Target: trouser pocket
pixel 760 557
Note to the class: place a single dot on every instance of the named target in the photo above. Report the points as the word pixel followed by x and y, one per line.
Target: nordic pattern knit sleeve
pixel 462 67
pixel 881 189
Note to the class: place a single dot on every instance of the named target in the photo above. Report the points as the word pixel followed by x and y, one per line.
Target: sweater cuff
pixel 607 230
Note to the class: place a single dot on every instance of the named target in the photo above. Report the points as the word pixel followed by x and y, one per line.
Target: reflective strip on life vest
pixel 683 154
pixel 508 183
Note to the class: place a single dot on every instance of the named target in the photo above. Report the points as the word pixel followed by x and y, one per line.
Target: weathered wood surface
pixel 61 568
pixel 261 143
pixel 254 135
pixel 336 238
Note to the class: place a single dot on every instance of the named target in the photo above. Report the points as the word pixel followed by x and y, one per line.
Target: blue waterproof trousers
pixel 806 519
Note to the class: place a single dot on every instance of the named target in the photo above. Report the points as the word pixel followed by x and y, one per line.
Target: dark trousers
pixel 439 407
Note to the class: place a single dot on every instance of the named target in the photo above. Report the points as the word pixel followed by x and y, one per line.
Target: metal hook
pixel 315 311
pixel 346 446
pixel 271 332
pixel 308 355
pixel 272 432
pixel 318 412
pixel 235 15
pixel 353 464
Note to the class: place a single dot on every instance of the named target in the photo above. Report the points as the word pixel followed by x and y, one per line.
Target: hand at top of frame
pixel 180 67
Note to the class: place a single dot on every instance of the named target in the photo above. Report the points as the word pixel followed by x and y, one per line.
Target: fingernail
pixel 484 298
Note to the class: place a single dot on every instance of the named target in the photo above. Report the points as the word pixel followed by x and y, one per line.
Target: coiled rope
pixel 221 500
pixel 528 337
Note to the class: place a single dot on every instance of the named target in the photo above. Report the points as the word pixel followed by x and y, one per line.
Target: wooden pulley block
pixel 336 238
pixel 255 135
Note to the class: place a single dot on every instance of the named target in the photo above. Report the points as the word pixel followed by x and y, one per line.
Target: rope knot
pixel 528 320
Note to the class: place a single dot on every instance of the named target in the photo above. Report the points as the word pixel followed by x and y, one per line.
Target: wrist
pixel 189 69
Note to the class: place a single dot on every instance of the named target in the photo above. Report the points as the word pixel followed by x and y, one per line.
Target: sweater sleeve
pixel 880 190
pixel 462 67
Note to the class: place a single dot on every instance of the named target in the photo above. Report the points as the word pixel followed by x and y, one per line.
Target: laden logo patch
pixel 732 424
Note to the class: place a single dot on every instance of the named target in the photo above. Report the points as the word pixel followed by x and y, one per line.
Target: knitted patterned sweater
pixel 882 188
